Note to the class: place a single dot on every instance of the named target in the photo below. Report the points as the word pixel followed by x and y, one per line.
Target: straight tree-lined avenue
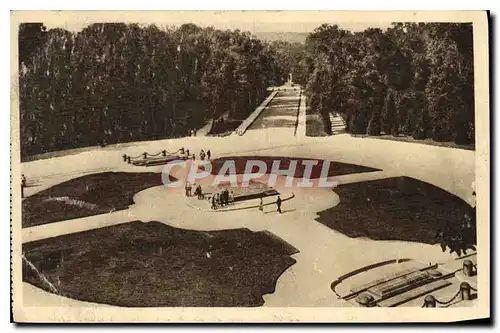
pixel 281 112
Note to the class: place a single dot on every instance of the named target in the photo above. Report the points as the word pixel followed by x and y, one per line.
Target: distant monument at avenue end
pixel 187 166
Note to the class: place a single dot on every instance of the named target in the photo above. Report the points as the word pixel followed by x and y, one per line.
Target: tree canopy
pixel 115 82
pixel 118 82
pixel 413 78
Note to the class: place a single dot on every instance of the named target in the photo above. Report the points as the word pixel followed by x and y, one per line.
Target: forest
pixel 411 79
pixel 116 82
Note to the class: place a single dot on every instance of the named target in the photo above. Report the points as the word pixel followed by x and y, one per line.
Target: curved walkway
pixel 324 253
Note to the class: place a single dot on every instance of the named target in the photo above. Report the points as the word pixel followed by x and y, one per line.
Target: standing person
pixel 194 157
pixel 190 188
pixel 187 152
pixel 224 197
pixel 200 192
pixel 278 204
pixel 473 223
pixel 186 189
pixel 209 154
pixel 23 184
pixel 214 203
pixel 221 198
pixel 217 199
pixel 261 205
pixel 231 197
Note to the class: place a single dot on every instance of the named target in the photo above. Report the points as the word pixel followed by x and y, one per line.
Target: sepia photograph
pixel 250 166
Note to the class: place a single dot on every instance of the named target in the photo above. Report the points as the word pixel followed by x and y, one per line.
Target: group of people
pixel 198 192
pixel 208 154
pixel 222 198
pixel 192 132
pixel 203 155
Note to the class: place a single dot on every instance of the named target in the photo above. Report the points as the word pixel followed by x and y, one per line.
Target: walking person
pixel 278 204
pixel 208 154
pixel 261 205
pixel 231 197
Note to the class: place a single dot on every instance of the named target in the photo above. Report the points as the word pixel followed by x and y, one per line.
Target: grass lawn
pixel 315 125
pixel 151 264
pixel 398 208
pixel 430 142
pixel 85 196
pixel 225 128
pixel 336 168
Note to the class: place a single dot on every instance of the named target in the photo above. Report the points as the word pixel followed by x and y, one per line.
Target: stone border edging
pixel 300 124
pixel 357 271
pixel 254 115
pixel 237 208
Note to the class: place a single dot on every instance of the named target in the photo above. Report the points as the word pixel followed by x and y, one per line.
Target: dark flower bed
pixel 85 196
pixel 140 264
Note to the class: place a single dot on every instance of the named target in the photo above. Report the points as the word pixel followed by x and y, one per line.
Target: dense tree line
pixel 290 58
pixel 412 79
pixel 123 82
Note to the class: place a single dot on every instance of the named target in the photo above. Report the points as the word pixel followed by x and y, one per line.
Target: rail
pixel 145 155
